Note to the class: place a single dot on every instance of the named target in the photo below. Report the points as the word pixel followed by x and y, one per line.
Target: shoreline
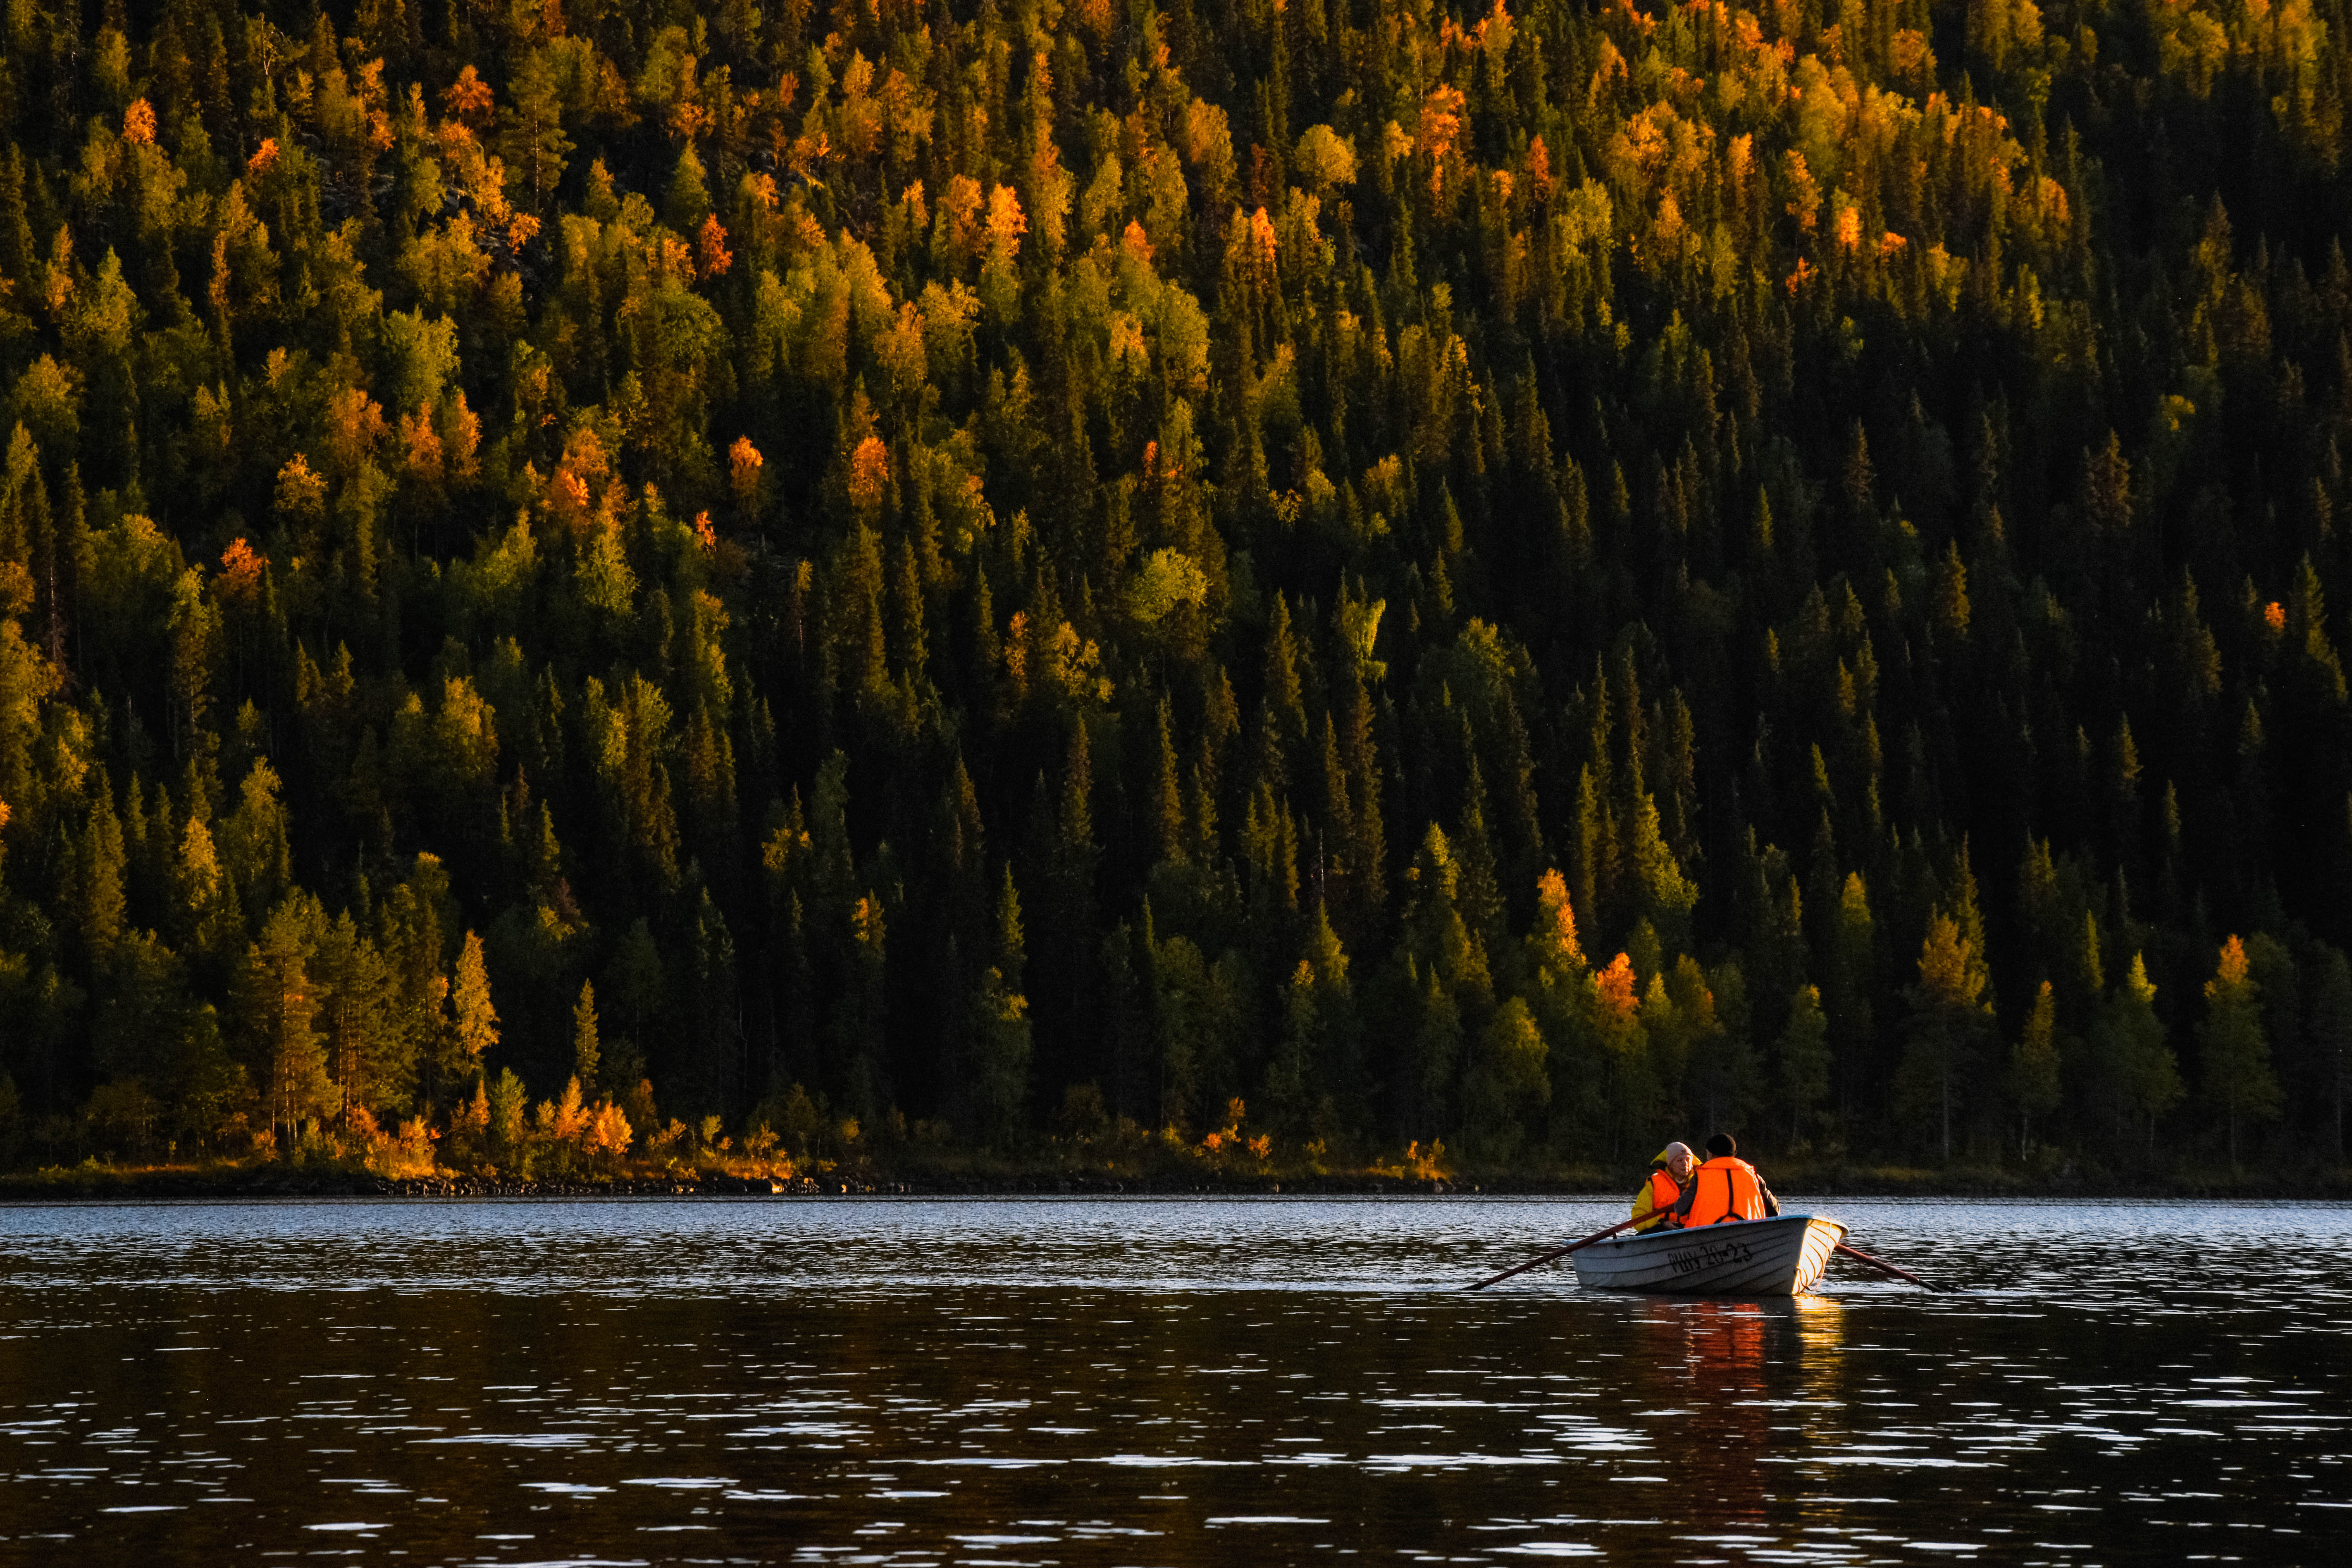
pixel 85 1183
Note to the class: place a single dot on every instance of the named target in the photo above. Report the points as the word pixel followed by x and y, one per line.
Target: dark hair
pixel 1723 1144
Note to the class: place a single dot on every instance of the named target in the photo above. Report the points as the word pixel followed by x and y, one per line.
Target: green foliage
pixel 1803 1062
pixel 587 1053
pixel 286 1054
pixel 549 554
pixel 2136 1072
pixel 1950 1016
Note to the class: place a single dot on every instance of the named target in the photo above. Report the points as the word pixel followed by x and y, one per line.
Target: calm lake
pixel 1157 1381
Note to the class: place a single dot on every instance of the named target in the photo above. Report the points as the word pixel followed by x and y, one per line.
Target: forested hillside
pixel 935 578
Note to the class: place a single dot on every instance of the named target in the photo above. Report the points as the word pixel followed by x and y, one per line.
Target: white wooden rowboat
pixel 1780 1256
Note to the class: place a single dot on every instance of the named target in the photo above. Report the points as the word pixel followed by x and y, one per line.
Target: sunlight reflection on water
pixel 1155 1381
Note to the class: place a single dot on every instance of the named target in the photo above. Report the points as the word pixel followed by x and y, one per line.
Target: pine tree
pixel 1481 885
pixel 586 1054
pixel 1666 897
pixel 638 988
pixel 1292 1077
pixel 1311 1091
pixel 714 1072
pixel 477 1019
pixel 2034 1085
pixel 17 244
pixel 358 1012
pixel 2234 1051
pixel 1367 850
pixel 862 1021
pixel 504 1103
pixel 1949 1017
pixel 254 843
pixel 410 933
pixel 1166 800
pixel 1288 714
pixel 1721 1073
pixel 687 202
pixel 1000 1028
pixel 203 897
pixel 1853 976
pixel 1803 1062
pixel 1631 1089
pixel 2136 1066
pixel 280 1013
pixel 2331 1037
pixel 1507 1082
pixel 531 142
pixel 1595 857
pixel 1552 948
pixel 910 636
pixel 98 867
pixel 1075 838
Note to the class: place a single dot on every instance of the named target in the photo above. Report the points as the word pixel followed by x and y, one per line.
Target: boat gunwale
pixel 1685 1233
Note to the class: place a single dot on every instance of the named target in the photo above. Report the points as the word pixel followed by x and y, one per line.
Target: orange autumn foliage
pixel 240 571
pixel 743 465
pixel 1612 989
pixel 869 474
pixel 711 255
pixel 468 98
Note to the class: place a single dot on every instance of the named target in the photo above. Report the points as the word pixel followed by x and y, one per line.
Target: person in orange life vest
pixel 1724 1188
pixel 1662 1188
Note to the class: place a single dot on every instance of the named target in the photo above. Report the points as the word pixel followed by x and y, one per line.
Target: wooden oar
pixel 1555 1254
pixel 1859 1256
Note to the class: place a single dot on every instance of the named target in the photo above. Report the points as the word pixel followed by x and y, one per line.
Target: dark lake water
pixel 1156 1382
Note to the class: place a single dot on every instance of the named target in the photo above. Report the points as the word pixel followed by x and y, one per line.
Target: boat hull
pixel 1780 1256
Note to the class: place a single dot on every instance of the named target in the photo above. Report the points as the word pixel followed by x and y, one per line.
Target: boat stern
pixel 1782 1256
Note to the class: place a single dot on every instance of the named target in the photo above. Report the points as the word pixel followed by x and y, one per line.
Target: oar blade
pixel 1550 1257
pixel 1859 1256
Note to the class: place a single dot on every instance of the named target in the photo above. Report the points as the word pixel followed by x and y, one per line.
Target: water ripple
pixel 638 1382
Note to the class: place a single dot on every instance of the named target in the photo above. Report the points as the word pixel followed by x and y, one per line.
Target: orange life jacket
pixel 1725 1187
pixel 1663 1194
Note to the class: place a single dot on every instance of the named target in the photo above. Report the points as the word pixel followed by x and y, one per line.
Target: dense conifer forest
pixel 1285 585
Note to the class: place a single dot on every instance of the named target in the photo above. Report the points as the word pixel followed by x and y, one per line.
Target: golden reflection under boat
pixel 1711 1361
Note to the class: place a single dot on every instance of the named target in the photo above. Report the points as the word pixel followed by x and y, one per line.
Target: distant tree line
pixel 1537 578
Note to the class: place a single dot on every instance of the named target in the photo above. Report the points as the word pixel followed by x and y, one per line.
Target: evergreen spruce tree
pixel 2138 1075
pixel 1000 1028
pixel 2033 1083
pixel 1803 1062
pixel 476 1017
pixel 1950 1018
pixel 587 1053
pixel 280 1018
pixel 2331 1036
pixel 2234 1052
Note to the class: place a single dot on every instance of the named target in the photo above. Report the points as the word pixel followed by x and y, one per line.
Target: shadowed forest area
pixel 1280 585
